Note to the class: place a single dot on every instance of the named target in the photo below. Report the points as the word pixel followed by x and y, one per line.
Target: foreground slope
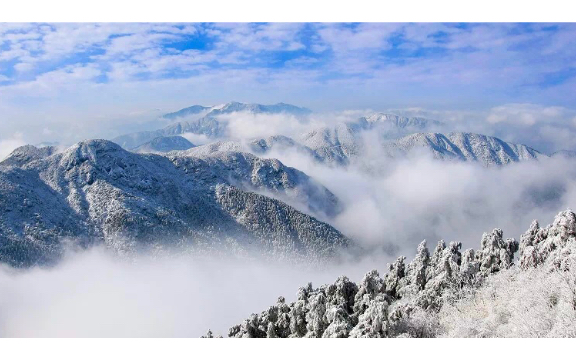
pixel 97 192
pixel 444 293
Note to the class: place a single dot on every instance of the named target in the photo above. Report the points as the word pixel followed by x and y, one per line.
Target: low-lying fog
pixel 96 294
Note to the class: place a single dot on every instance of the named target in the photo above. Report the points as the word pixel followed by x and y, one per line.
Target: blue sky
pixel 88 75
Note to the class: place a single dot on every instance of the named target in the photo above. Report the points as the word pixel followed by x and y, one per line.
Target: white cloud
pixel 418 198
pixel 256 37
pixel 364 36
pixel 96 294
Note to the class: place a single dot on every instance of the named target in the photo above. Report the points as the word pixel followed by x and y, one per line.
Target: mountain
pixel 191 110
pixel 210 124
pixel 342 146
pixel 334 145
pixel 164 144
pixel 97 192
pixel 27 153
pixel 396 123
pixel 462 146
pixel 280 108
pixel 339 143
pixel 259 147
pixel 252 173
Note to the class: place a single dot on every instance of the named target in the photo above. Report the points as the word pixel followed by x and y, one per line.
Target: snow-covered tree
pixel 449 293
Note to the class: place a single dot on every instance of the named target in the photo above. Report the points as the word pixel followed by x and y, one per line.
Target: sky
pixel 69 81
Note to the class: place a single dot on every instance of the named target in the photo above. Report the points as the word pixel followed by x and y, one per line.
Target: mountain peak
pixel 89 150
pixel 402 122
pixel 463 146
pixel 27 153
pixel 188 111
pixel 98 145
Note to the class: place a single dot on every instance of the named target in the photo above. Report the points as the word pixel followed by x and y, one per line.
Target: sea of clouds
pixel 387 212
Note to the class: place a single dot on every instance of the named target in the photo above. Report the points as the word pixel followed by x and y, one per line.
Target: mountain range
pixel 156 189
pixel 97 192
pixel 340 144
pixel 203 120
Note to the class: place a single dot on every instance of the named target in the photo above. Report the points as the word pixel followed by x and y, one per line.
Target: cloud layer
pixel 418 198
pixel 96 294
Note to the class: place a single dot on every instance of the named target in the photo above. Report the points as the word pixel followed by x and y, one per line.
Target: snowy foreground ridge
pixel 482 293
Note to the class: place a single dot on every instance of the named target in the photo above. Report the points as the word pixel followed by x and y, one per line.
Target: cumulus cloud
pixel 196 139
pixel 247 126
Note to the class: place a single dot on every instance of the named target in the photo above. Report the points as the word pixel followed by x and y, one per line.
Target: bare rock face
pixel 402 302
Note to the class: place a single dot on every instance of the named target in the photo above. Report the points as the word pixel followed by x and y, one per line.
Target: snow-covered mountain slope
pixel 364 141
pixel 342 146
pixel 268 176
pixel 27 153
pixel 164 144
pixel 280 108
pixel 334 145
pixel 191 110
pixel 210 124
pixel 259 147
pixel 95 191
pixel 339 143
pixel 395 123
pixel 462 146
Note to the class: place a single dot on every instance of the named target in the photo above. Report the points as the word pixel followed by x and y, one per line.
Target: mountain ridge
pixel 97 192
pixel 208 124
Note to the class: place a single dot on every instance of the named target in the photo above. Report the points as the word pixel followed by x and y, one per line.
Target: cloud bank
pixel 97 294
pixel 408 200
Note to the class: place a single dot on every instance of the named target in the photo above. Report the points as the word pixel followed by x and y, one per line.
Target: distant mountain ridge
pixel 568 154
pixel 191 110
pixel 339 146
pixel 397 122
pixel 487 150
pixel 208 123
pixel 164 144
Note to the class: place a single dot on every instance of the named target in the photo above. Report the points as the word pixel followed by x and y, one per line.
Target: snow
pixel 95 191
pixel 474 294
